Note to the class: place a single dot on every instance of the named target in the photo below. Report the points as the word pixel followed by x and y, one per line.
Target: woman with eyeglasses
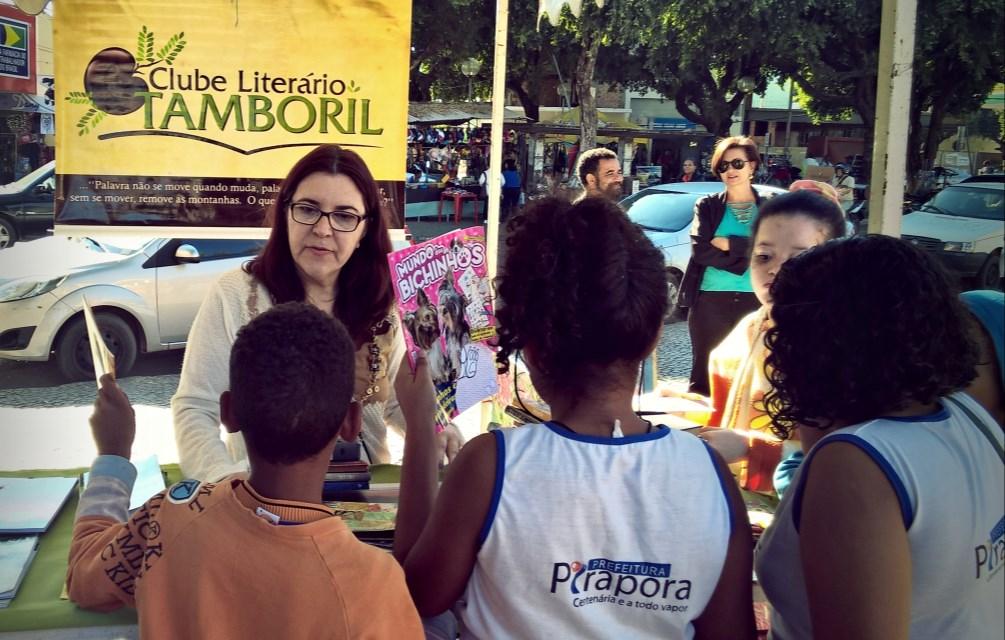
pixel 716 285
pixel 328 247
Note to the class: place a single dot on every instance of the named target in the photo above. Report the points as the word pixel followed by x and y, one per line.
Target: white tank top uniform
pixel 590 537
pixel 948 474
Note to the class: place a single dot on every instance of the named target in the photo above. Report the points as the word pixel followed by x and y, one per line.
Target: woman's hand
pixel 731 445
pixel 113 423
pixel 721 243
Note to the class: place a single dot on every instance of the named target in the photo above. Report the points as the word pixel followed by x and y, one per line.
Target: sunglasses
pixel 736 163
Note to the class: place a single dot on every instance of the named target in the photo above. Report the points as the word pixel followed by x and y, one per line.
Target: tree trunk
pixel 584 86
pixel 934 133
pixel 531 109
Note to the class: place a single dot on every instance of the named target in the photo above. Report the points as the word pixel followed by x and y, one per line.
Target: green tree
pixel 958 59
pixel 695 51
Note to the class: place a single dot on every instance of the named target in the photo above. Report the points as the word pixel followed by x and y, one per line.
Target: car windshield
pixel 667 212
pixel 968 202
pixel 22 183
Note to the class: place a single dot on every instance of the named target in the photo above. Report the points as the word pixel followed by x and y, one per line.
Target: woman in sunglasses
pixel 328 247
pixel 716 284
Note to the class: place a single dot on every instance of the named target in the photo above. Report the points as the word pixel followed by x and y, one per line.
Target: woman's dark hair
pixel 291 378
pixel 863 327
pixel 584 287
pixel 734 142
pixel 804 203
pixel 364 284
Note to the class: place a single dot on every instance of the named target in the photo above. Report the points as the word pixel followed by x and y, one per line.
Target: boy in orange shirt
pixel 260 556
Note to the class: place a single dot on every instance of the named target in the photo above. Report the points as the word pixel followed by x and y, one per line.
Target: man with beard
pixel 600 173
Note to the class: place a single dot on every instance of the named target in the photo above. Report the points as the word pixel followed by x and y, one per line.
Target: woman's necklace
pixel 743 211
pixel 373 360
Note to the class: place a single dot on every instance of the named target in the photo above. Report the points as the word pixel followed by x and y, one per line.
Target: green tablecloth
pixel 37 605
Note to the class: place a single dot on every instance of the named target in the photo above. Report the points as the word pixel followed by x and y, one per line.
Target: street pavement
pixel 43 420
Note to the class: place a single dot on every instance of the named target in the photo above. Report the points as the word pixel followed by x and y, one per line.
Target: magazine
pixel 366 516
pixel 29 505
pixel 149 481
pixel 16 555
pixel 101 356
pixel 446 310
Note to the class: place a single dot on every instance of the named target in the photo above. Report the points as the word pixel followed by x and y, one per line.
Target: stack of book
pixel 27 508
pixel 348 470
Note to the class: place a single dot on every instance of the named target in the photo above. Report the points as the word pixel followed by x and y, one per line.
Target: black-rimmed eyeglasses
pixel 308 214
pixel 736 163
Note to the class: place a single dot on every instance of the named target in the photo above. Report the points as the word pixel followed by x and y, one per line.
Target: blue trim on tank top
pixel 939 415
pixel 906 510
pixel 659 431
pixel 497 487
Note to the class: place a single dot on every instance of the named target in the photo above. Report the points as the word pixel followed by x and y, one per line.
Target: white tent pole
pixel 495 150
pixel 893 110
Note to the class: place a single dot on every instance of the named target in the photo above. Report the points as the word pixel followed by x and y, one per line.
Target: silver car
pixel 145 294
pixel 665 213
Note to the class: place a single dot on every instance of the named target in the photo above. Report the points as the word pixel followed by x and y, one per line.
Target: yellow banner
pixel 238 89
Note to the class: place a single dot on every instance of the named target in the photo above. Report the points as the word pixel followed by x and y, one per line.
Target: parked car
pixel 987 177
pixel 665 212
pixel 145 294
pixel 963 227
pixel 26 205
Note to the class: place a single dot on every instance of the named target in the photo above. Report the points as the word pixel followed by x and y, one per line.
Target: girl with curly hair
pixel 786 226
pixel 595 523
pixel 893 527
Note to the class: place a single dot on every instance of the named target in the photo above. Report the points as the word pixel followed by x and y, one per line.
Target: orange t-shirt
pixel 197 562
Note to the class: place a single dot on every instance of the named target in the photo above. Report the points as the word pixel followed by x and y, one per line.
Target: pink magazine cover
pixel 445 305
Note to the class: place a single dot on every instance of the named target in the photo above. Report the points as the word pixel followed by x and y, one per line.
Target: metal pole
pixel 495 150
pixel 893 110
pixel 788 120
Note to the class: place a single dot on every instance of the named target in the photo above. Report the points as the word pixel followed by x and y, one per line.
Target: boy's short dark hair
pixel 590 160
pixel 291 381
pixel 863 327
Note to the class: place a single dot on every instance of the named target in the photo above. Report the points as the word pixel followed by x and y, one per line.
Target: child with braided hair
pixel 619 528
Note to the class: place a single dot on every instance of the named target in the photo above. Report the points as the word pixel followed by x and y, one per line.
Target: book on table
pixel 149 481
pixel 29 505
pixel 348 470
pixel 371 522
pixel 16 554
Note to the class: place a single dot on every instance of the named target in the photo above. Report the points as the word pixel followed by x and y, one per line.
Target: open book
pixel 445 304
pixel 101 356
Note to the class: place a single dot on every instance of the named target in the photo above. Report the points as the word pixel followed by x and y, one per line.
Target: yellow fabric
pixel 738 386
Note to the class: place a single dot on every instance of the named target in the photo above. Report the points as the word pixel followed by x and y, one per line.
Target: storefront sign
pixel 185 113
pixel 17 51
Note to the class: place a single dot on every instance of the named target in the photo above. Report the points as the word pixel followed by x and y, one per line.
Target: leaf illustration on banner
pixel 173 47
pixel 353 87
pixel 145 46
pixel 79 97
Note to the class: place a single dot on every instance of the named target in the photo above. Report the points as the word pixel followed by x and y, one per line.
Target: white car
pixel 145 294
pixel 964 227
pixel 665 213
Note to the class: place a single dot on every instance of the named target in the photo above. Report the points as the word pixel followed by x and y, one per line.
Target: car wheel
pixel 673 293
pixel 988 276
pixel 73 349
pixel 8 236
